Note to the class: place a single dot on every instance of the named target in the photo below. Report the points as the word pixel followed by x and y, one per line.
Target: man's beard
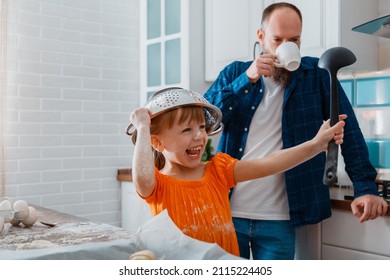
pixel 281 76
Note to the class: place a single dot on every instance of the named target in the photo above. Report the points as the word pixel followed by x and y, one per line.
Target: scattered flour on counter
pixel 36 244
pixel 63 234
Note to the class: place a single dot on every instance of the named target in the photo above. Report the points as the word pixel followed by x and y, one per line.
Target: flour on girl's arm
pixel 143 170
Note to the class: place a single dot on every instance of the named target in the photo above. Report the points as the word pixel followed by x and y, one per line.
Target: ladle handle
pixel 330 172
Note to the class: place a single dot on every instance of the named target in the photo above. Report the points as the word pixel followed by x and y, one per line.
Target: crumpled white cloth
pixel 161 236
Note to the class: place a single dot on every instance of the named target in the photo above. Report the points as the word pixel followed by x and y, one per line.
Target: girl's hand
pixel 140 117
pixel 327 133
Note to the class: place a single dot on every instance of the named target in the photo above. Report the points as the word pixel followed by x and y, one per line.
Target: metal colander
pixel 175 97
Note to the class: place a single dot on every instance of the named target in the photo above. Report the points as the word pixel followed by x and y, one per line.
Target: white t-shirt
pixel 265 198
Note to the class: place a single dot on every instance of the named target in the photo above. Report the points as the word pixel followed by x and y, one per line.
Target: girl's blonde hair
pixel 168 120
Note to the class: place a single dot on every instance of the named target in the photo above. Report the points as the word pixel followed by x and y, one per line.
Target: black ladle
pixel 332 60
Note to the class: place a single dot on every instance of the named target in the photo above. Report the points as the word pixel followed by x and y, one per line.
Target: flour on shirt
pixel 216 224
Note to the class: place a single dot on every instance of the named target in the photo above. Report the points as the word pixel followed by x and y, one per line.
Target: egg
pixel 6 208
pixel 31 218
pixel 21 209
pixel 143 255
pixel 6 205
pixel 15 222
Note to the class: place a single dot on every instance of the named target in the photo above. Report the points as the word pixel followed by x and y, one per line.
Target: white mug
pixel 289 56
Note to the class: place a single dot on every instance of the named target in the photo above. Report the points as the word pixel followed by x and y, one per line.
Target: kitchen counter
pixel 124 175
pixel 71 237
pixel 338 198
pixel 75 238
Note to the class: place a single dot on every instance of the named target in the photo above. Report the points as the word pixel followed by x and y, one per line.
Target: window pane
pixel 348 88
pixel 149 94
pixel 154 65
pixel 172 16
pixel 172 62
pixel 154 18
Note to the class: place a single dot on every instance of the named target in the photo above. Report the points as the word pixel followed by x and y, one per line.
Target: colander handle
pixel 217 130
pixel 130 129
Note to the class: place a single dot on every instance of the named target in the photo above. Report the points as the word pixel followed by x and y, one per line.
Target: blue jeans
pixel 268 240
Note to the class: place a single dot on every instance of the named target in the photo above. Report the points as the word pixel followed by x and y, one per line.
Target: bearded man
pixel 266 108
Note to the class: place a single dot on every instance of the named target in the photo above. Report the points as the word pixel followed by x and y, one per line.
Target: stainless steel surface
pixel 377 27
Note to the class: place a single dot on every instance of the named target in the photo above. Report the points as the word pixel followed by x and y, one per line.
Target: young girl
pixel 196 194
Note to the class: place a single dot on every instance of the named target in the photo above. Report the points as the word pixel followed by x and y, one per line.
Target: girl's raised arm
pixel 143 163
pixel 283 160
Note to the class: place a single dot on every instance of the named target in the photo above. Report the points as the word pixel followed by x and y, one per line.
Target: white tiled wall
pixel 72 81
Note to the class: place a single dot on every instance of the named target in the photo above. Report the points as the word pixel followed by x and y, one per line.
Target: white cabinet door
pixel 343 230
pixel 230 32
pixel 313 40
pixel 337 253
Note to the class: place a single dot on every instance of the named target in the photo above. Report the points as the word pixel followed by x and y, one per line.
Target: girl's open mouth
pixel 194 151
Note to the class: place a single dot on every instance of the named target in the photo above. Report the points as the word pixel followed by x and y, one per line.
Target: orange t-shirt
pixel 200 208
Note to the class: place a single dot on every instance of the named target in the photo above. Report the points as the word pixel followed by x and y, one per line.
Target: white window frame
pixel 184 48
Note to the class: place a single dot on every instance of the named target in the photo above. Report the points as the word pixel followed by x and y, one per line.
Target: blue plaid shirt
pixel 305 107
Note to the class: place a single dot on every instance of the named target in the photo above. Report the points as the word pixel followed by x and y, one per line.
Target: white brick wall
pixel 72 81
